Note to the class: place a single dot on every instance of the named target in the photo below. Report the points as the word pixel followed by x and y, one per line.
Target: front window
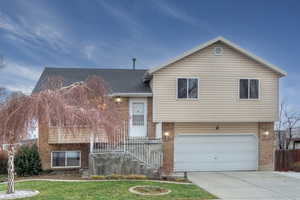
pixel 65 159
pixel 138 113
pixel 187 88
pixel 249 89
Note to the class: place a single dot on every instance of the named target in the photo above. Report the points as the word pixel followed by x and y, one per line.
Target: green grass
pixel 2 178
pixel 110 190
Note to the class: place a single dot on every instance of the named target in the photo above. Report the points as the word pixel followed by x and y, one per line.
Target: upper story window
pixel 187 88
pixel 249 89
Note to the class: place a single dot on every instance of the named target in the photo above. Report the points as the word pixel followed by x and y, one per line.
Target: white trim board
pixel 124 94
pixel 227 42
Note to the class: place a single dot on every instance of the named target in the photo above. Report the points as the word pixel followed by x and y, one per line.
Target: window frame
pixel 187 87
pixel 64 167
pixel 249 99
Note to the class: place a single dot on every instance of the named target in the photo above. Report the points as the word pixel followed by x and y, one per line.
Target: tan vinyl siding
pixel 218 89
pixel 206 127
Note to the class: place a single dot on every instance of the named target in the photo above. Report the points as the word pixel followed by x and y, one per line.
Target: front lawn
pixel 109 190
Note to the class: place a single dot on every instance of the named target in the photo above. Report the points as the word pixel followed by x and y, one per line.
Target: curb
pixel 82 181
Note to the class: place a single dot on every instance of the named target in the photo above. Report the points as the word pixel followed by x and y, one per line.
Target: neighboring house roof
pixel 227 42
pixel 122 82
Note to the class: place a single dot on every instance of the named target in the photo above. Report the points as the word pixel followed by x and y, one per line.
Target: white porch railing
pixel 147 151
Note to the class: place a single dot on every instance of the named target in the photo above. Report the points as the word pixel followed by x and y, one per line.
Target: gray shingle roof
pixel 119 80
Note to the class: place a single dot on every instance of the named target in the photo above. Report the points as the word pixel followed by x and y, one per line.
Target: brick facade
pixel 45 148
pixel 266 145
pixel 49 141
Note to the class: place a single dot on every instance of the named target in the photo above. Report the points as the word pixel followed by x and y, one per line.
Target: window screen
pixel 66 159
pixel 193 88
pixel 73 158
pixel 182 88
pixel 187 88
pixel 244 88
pixel 249 89
pixel 254 89
pixel 58 159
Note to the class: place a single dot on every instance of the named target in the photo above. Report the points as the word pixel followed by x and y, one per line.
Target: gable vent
pixel 218 51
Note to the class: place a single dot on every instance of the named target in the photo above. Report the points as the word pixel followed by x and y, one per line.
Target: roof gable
pixel 230 44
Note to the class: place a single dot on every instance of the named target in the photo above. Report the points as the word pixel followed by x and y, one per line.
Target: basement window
pixel 65 159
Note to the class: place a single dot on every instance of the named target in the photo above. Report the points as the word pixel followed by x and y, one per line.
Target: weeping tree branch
pixel 84 104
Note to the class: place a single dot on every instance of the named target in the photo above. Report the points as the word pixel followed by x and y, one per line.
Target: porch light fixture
pixel 166 134
pixel 118 99
pixel 266 133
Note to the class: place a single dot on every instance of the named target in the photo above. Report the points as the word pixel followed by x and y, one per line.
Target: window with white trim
pixel 249 89
pixel 65 159
pixel 187 88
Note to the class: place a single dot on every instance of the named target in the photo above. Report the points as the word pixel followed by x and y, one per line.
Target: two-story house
pixel 216 103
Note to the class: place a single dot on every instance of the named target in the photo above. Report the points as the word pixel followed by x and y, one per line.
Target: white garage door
pixel 215 152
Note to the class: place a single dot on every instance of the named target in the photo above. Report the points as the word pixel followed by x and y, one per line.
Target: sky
pixel 108 34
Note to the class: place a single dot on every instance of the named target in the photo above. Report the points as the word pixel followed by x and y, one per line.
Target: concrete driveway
pixel 248 185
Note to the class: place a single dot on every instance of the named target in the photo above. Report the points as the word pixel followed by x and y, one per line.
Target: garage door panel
pixel 214 167
pixel 188 139
pixel 206 148
pixel 215 152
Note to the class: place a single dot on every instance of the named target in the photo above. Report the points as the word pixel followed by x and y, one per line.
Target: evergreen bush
pixel 27 161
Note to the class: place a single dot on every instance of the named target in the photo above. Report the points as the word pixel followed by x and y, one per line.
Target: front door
pixel 138 117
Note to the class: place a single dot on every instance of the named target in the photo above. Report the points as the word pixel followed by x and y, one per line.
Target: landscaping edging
pixel 18 194
pixel 132 190
pixel 59 180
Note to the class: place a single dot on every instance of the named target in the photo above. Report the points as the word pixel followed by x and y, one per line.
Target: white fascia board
pixel 131 94
pixel 234 46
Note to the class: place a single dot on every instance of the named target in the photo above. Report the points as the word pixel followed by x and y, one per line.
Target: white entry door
pixel 138 117
pixel 215 152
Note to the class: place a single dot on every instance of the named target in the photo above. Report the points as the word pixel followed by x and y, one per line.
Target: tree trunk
pixel 11 171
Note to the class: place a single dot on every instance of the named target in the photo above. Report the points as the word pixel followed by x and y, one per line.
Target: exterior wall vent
pixel 218 51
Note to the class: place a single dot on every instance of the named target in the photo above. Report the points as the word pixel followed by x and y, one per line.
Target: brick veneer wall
pixel 151 124
pixel 266 145
pixel 45 148
pixel 168 148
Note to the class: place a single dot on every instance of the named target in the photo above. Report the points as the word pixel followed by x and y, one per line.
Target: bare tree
pixel 80 104
pixel 292 118
pixel 288 120
pixel 280 125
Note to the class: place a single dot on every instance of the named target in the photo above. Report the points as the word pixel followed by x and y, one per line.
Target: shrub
pixel 98 177
pixel 27 161
pixel 136 177
pixel 3 163
pixel 114 177
pixel 296 166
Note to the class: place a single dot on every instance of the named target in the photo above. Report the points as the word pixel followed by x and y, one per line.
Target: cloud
pixel 19 77
pixel 181 15
pixel 123 16
pixel 21 70
pixel 34 34
pixel 175 13
pixel 88 51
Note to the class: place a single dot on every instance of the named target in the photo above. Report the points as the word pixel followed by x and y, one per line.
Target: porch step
pixel 119 163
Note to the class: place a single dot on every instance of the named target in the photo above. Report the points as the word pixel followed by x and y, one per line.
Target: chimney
pixel 133 63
